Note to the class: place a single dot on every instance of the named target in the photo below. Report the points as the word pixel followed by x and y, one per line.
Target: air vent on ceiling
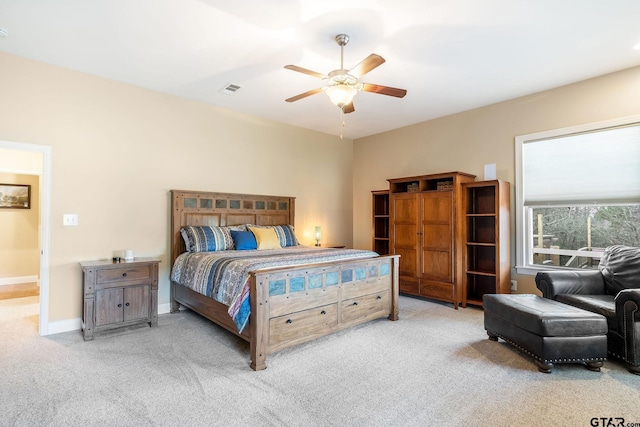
pixel 230 89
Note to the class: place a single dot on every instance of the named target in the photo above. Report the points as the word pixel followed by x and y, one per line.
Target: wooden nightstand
pixel 119 294
pixel 333 246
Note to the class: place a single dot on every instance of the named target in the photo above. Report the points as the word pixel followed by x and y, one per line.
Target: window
pixel 577 191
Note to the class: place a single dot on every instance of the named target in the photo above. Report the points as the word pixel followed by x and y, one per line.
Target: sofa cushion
pixel 620 267
pixel 601 304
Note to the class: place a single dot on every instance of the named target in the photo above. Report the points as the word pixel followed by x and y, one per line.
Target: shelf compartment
pixel 481 229
pixel 381 225
pixel 406 187
pixel 479 285
pixel 482 200
pixel 381 246
pixel 481 259
pixel 381 204
pixel 442 184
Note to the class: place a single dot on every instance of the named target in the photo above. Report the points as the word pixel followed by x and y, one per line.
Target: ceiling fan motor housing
pixel 342 39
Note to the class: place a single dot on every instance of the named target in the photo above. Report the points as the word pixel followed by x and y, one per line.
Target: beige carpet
pixel 434 367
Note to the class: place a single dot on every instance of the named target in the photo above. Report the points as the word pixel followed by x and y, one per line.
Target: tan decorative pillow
pixel 266 238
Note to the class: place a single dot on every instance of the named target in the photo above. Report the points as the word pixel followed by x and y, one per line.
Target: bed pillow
pixel 206 238
pixel 266 238
pixel 241 227
pixel 244 240
pixel 285 234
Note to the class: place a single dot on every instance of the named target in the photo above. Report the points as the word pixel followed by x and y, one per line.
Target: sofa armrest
pixel 628 305
pixel 628 318
pixel 585 282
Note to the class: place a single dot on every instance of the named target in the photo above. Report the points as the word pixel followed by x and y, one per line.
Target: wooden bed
pixel 367 287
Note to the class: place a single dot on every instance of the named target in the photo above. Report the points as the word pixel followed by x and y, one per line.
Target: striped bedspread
pixel 224 275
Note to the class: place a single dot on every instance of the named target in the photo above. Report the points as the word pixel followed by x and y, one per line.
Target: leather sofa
pixel 613 290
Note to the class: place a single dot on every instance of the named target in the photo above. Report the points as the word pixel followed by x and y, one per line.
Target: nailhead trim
pixel 593 359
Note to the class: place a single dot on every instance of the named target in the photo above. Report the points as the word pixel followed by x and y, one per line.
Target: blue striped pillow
pixel 286 235
pixel 206 238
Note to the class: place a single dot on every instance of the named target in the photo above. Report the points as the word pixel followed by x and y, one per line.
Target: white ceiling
pixel 450 55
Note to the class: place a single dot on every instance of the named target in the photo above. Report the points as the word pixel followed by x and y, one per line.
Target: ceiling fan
pixel 342 85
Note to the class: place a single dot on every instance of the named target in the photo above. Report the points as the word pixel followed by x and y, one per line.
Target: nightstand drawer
pixel 124 273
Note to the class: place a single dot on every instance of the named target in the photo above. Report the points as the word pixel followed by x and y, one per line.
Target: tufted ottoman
pixel 550 331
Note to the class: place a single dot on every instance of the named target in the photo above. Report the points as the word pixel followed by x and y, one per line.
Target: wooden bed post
pixel 395 290
pixel 173 304
pixel 259 323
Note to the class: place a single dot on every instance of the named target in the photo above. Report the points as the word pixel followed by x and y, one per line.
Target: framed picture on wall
pixel 15 196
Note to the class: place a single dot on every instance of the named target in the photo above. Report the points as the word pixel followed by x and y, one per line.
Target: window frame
pixel 524 231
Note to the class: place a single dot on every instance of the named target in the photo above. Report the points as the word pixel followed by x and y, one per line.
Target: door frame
pixel 45 215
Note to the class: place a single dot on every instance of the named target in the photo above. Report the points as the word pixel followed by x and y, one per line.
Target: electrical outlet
pixel 70 219
pixel 514 285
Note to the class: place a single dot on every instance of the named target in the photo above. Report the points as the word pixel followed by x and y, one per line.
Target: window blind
pixel 601 167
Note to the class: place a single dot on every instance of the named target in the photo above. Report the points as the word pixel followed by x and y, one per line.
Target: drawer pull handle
pixel 289 321
pixel 379 297
pixel 126 305
pixel 124 274
pixel 119 305
pixel 323 312
pixel 355 303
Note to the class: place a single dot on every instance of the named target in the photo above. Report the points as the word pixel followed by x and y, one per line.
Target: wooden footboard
pixel 293 305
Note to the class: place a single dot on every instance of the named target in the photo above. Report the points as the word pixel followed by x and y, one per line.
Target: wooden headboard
pixel 218 209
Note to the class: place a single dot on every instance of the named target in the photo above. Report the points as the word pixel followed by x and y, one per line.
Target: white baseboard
pixel 64 326
pixel 76 324
pixel 164 308
pixel 18 280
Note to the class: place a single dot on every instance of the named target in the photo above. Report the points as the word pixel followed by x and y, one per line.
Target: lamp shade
pixel 341 94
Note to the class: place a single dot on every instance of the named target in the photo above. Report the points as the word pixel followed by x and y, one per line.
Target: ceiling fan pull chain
pixel 341 122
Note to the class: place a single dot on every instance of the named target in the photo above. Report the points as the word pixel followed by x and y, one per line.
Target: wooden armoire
pixel 425 233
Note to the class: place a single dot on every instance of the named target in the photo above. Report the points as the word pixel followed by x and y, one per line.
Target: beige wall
pixel 117 150
pixel 19 244
pixel 24 162
pixel 468 140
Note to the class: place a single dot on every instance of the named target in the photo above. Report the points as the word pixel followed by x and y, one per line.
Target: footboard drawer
pixel 366 306
pixel 304 325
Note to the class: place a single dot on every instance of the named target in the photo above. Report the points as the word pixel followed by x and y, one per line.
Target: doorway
pixel 10 162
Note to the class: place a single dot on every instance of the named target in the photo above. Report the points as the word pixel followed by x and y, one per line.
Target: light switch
pixel 70 219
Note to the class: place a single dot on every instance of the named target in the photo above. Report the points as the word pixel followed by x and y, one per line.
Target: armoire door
pixel 437 221
pixel 404 211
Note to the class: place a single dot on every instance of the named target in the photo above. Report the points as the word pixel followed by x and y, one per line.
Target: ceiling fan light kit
pixel 341 94
pixel 342 85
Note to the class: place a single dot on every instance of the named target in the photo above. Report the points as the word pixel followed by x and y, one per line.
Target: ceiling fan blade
pixel 305 71
pixel 349 108
pixel 384 90
pixel 304 95
pixel 369 63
